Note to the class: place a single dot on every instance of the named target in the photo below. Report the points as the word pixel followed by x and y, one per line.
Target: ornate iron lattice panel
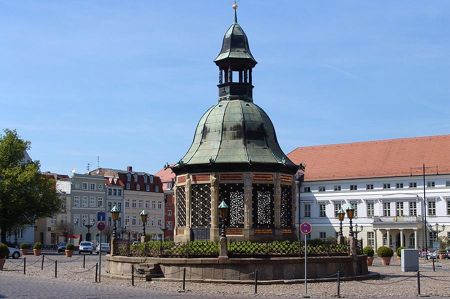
pixel 181 206
pixel 286 206
pixel 201 205
pixel 233 194
pixel 263 207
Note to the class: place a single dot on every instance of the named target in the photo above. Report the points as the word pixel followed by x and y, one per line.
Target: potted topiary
pixel 386 254
pixel 369 252
pixel 24 248
pixel 37 248
pixel 399 251
pixel 69 250
pixel 4 253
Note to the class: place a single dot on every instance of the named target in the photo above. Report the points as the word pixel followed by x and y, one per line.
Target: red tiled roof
pixel 166 175
pixel 383 158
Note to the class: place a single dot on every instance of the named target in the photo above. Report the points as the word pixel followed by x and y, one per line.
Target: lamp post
pixel 144 217
pixel 350 214
pixel 358 231
pixel 223 211
pixel 115 216
pixel 341 215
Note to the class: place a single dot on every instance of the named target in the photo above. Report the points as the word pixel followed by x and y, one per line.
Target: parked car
pixel 105 248
pixel 61 247
pixel 86 247
pixel 14 252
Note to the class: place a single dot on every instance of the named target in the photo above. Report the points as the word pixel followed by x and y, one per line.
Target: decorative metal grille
pixel 286 206
pixel 201 205
pixel 233 194
pixel 181 206
pixel 263 209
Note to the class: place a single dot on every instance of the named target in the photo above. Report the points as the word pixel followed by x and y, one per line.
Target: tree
pixel 25 194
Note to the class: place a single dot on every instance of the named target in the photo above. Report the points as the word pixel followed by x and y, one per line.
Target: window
pixel 371 239
pixel 159 222
pixel 128 186
pixel 169 213
pixel 412 185
pixel 76 202
pixel 354 205
pixel 147 188
pixel 133 220
pixel 353 187
pixel 322 210
pixel 399 208
pixel 138 187
pixel 412 241
pixel 159 205
pixel 92 202
pixel 141 204
pixel 92 186
pixel 92 218
pixel 115 192
pixel 431 208
pixel 386 209
pixel 337 208
pixel 120 206
pixel 151 179
pixel 336 188
pixel 84 219
pixel 76 220
pixel 99 202
pixel 412 208
pixel 430 184
pixel 119 192
pixel 447 184
pixel 109 191
pixel 169 225
pixel 145 179
pixel 432 238
pixel 306 189
pixel 133 203
pixel 323 235
pixel 307 211
pixel 127 204
pixel 84 186
pixel 399 185
pixel 369 187
pixel 370 209
pixel 321 188
pixel 153 204
pixel 156 188
pixel 100 187
pixel 385 239
pixel 84 202
pixel 109 206
pixel 127 220
pixel 147 204
pixel 386 186
pixel 135 178
pixel 448 206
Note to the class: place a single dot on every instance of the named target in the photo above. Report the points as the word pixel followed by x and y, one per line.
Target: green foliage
pixel 25 195
pixel 70 247
pixel 368 251
pixel 4 250
pixel 399 251
pixel 384 251
pixel 37 245
pixel 25 246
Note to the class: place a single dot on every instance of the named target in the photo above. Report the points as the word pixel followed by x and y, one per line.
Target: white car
pixel 105 248
pixel 14 252
pixel 86 247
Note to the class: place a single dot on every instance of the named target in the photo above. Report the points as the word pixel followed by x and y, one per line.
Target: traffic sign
pixel 101 216
pixel 101 226
pixel 305 228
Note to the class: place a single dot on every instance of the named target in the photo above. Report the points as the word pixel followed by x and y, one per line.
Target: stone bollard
pixel 223 250
pixel 113 246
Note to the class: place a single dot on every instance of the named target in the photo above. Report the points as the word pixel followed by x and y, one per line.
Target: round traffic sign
pixel 101 226
pixel 305 228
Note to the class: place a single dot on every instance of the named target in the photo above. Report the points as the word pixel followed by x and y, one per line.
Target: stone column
pixel 415 239
pixel 214 232
pixel 375 237
pixel 401 238
pixel 188 192
pixel 388 237
pixel 248 194
pixel 277 200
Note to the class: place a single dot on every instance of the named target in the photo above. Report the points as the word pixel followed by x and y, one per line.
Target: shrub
pixel 384 251
pixel 399 251
pixel 368 251
pixel 37 245
pixel 4 251
pixel 70 247
pixel 24 246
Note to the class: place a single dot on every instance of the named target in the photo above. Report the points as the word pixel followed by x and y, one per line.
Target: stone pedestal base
pixel 352 242
pixel 223 250
pixel 142 239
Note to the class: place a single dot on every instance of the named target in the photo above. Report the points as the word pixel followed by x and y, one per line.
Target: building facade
pixel 168 182
pixel 383 181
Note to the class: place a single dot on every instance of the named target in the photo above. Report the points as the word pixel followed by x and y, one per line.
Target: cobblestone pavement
pixel 75 282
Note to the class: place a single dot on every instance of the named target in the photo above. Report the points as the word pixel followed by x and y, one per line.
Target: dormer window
pixel 128 177
pixel 145 179
pixel 151 179
pixel 135 178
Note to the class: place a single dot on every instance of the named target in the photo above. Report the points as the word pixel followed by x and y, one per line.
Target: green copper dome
pixel 235 134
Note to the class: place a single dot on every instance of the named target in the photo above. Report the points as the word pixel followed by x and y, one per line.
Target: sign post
pixel 100 226
pixel 306 228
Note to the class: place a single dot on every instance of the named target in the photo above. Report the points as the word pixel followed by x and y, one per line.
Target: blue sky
pixel 128 80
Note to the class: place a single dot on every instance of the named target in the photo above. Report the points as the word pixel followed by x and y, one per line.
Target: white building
pixel 383 181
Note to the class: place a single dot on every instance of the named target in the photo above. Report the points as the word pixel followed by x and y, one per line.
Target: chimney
pixel 129 169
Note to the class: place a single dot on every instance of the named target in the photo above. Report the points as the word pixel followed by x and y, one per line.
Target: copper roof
pixel 383 158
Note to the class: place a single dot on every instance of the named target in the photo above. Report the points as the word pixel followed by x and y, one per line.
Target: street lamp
pixel 341 215
pixel 358 231
pixel 350 214
pixel 223 211
pixel 144 216
pixel 115 211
